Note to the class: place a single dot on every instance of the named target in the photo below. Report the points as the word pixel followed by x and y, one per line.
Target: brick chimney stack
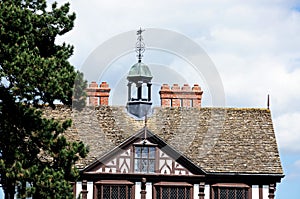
pixel 180 97
pixel 97 95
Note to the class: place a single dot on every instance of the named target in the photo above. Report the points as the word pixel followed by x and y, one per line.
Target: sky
pixel 254 45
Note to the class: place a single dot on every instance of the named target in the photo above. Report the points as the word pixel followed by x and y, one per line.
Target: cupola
pixel 139 81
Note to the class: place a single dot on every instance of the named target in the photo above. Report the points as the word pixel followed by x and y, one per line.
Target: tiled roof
pixel 219 140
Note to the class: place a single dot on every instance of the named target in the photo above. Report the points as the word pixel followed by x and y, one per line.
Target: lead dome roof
pixel 139 72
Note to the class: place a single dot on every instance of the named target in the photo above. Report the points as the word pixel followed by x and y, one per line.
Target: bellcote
pixel 140 76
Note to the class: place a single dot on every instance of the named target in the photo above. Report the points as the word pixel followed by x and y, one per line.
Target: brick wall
pixel 97 95
pixel 177 96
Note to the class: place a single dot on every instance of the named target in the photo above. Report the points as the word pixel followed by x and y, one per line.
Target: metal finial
pixel 145 132
pixel 268 102
pixel 140 45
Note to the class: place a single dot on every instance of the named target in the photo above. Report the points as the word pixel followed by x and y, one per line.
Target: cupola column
pixel 149 91
pixel 129 90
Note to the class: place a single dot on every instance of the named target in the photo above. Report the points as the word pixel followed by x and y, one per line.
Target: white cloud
pixel 250 80
pixel 288 132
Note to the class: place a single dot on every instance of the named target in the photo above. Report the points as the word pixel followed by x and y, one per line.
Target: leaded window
pixel 115 192
pixel 231 193
pixel 173 192
pixel 144 159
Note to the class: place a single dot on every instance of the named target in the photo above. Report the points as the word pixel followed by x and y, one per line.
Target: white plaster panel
pixel 90 190
pixel 122 165
pixel 121 160
pixel 113 170
pixel 128 161
pixel 196 190
pixel 177 172
pixel 169 163
pixel 124 168
pixel 207 191
pixel 112 162
pixel 265 191
pixel 126 153
pixel 149 190
pixel 178 166
pixel 165 170
pixel 161 162
pixel 137 190
pixel 255 192
pixel 162 154
pixel 78 188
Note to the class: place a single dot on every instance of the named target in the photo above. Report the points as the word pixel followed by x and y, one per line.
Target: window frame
pixel 130 188
pixel 228 186
pixel 169 185
pixel 148 158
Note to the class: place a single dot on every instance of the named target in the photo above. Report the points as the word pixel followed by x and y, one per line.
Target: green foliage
pixel 34 70
pixel 79 95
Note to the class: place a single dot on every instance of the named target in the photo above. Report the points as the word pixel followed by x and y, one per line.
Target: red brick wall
pixel 177 96
pixel 97 95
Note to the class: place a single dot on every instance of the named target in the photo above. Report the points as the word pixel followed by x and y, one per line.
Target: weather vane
pixel 140 45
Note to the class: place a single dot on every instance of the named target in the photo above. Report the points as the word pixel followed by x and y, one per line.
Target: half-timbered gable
pixel 144 152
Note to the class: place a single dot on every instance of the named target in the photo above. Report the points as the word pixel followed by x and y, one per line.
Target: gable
pixel 149 155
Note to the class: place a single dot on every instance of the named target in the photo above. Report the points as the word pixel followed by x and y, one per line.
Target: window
pixel 227 192
pixel 144 159
pixel 114 190
pixel 165 190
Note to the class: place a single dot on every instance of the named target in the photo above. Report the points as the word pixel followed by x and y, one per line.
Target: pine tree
pixel 35 156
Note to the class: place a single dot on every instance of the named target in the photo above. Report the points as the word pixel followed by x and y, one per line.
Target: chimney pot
pixel 165 87
pixel 93 85
pixel 175 87
pixel 186 87
pixel 196 87
pixel 104 85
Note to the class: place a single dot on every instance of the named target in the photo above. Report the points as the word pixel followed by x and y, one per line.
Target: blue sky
pixel 254 46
